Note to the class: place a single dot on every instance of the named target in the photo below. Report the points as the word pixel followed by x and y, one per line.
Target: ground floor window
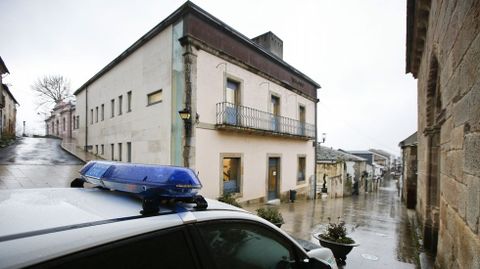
pixel 129 152
pixel 301 169
pixel 231 175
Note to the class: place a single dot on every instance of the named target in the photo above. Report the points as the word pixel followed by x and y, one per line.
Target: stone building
pixel 8 107
pixel 443 53
pixel 409 172
pixel 195 92
pixel 340 171
pixel 62 122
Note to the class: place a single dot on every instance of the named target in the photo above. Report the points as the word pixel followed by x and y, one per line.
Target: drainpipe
pixel 86 119
pixel 315 155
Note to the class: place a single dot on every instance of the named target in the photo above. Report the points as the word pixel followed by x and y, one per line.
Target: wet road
pixel 378 221
pixel 36 163
pixel 36 151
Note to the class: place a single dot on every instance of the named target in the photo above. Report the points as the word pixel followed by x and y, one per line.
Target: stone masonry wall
pixel 453 38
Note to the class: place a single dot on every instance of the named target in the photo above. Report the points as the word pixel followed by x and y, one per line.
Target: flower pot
pixel 340 250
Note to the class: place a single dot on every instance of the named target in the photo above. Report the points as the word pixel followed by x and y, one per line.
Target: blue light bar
pixel 147 181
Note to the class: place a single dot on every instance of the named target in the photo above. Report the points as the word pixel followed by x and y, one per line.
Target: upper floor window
pixel 120 104
pixel 129 101
pixel 112 102
pixel 102 114
pixel 154 97
pixel 91 116
pixel 96 114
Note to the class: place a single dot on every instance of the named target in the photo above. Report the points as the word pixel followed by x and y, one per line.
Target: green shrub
pixel 228 199
pixel 271 214
pixel 337 232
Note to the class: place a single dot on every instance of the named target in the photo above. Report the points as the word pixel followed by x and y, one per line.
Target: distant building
pixel 249 127
pixel 340 171
pixel 62 121
pixel 386 158
pixel 443 52
pixel 8 107
pixel 378 162
pixel 409 173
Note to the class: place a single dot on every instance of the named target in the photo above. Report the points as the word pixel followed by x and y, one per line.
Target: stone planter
pixel 340 250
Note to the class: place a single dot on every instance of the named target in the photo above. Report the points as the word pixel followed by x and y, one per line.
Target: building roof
pixel 183 12
pixel 409 141
pixel 381 152
pixel 3 67
pixel 5 88
pixel 329 154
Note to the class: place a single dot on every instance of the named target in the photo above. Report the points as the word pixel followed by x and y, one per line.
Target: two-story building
pixel 62 121
pixel 8 106
pixel 195 92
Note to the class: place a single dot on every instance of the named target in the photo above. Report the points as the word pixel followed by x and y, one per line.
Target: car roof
pixel 29 210
pixel 42 224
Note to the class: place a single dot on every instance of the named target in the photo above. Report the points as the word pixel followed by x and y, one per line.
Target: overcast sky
pixel 354 49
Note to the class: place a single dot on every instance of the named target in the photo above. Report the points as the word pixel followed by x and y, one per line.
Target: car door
pixel 245 244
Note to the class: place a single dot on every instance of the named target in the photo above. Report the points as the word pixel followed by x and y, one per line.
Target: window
pixel 78 122
pixel 129 152
pixel 103 149
pixel 301 116
pixel 112 150
pixel 119 152
pixel 301 169
pixel 113 108
pixel 129 101
pixel 120 99
pixel 231 175
pixel 246 245
pixel 96 149
pixel 64 124
pixel 154 97
pixel 96 114
pixel 144 251
pixel 102 112
pixel 91 116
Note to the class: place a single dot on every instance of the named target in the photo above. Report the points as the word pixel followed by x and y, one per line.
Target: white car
pixel 101 228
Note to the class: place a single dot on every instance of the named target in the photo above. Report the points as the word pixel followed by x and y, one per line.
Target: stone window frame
pixel 239 194
pixel 301 182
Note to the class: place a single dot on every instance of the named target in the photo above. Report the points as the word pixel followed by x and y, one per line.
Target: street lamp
pixel 185 114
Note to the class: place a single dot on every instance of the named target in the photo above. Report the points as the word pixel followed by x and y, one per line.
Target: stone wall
pixel 409 190
pixel 449 106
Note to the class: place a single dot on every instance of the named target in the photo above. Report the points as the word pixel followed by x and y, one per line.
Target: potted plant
pixel 229 199
pixel 271 214
pixel 335 238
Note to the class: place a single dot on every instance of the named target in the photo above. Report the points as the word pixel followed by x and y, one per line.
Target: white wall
pixel 210 143
pixel 147 70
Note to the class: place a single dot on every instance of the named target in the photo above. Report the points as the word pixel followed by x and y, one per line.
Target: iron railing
pixel 242 117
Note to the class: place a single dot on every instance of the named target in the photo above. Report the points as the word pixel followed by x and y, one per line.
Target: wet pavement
pixel 377 221
pixel 36 163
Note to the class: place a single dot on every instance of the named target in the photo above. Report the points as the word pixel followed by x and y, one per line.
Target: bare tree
pixel 51 89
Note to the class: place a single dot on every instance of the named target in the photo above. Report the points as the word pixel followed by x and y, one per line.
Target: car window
pixel 165 249
pixel 246 245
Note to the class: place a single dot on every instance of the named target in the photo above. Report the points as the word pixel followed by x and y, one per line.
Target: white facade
pixel 154 133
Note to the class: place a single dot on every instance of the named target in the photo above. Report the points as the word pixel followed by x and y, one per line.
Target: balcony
pixel 246 119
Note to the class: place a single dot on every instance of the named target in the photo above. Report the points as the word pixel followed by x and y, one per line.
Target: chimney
pixel 271 42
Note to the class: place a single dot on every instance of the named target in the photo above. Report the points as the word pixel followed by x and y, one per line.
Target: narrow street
pixel 377 221
pixel 36 163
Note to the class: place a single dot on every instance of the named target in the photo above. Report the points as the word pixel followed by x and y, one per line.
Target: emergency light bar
pixel 152 183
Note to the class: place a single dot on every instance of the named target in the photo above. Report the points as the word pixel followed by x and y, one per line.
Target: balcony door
pixel 275 110
pixel 232 97
pixel 301 110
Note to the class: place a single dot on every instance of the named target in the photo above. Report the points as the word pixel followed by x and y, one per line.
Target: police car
pixel 140 216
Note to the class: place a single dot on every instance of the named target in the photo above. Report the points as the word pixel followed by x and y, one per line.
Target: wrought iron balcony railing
pixel 246 118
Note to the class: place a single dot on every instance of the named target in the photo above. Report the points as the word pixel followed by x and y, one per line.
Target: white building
pixel 8 107
pixel 62 122
pixel 252 125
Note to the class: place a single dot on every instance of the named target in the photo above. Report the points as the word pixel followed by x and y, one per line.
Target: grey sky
pixel 354 49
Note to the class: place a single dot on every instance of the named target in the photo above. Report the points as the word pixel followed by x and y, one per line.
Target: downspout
pixel 86 118
pixel 315 154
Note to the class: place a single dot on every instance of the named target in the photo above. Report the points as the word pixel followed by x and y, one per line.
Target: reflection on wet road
pixel 37 163
pixel 378 221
